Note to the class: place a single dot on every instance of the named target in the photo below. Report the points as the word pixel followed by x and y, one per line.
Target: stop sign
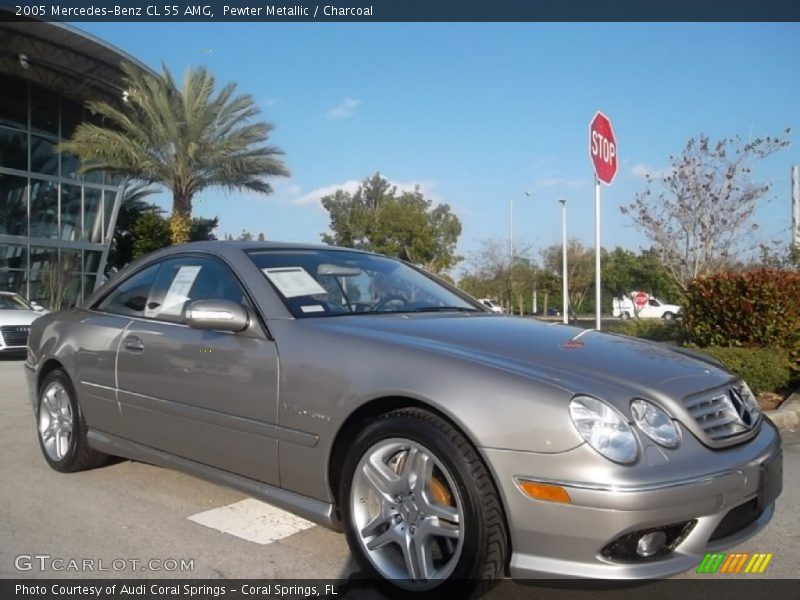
pixel 603 148
pixel 640 299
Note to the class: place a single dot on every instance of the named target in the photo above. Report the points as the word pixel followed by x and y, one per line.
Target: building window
pixel 13 205
pixel 14 104
pixel 55 224
pixel 13 149
pixel 70 212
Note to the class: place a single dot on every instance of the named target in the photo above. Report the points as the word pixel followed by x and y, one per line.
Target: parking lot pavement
pixel 130 511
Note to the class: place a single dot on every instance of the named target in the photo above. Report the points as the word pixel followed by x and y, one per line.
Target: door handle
pixel 133 343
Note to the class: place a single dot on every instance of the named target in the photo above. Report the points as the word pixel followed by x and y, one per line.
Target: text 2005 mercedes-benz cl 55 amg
pixel 449 443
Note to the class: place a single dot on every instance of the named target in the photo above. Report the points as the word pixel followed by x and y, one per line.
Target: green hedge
pixel 764 369
pixel 656 330
pixel 748 310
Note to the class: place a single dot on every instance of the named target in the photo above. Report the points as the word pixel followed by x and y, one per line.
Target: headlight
pixel 655 423
pixel 604 429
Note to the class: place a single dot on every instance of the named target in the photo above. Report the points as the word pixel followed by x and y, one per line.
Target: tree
pixel 59 280
pixel 405 225
pixel 186 139
pixel 201 229
pixel 132 206
pixel 150 232
pixel 700 219
pixel 491 275
pixel 625 271
pixel 580 270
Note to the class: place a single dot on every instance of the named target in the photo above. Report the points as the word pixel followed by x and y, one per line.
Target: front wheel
pixel 668 316
pixel 420 508
pixel 62 430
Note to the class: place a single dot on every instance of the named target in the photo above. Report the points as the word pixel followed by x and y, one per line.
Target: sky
pixel 479 114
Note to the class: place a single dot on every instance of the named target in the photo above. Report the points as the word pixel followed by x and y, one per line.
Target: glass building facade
pixel 55 225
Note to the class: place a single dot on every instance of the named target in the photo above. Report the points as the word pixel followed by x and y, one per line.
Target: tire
pixel 61 428
pixel 454 520
pixel 668 316
pixel 625 315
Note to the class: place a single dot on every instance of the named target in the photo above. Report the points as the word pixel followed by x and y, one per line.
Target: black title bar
pixel 253 11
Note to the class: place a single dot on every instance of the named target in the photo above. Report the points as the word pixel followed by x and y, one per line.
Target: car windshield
pixel 322 283
pixel 13 302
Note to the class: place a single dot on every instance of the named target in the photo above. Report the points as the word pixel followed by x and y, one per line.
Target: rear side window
pixel 130 297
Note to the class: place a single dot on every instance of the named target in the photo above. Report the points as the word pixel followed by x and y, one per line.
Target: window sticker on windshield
pixel 293 281
pixel 178 292
pixel 314 308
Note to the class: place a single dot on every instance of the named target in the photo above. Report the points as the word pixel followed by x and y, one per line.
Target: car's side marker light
pixel 543 491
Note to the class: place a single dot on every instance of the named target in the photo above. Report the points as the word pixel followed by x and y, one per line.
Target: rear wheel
pixel 62 430
pixel 420 508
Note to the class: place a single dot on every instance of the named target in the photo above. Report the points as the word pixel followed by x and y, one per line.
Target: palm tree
pixel 185 139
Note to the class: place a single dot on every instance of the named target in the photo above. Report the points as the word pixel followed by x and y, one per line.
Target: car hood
pixel 18 317
pixel 572 356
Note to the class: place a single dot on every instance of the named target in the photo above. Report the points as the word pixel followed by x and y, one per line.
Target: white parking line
pixel 252 520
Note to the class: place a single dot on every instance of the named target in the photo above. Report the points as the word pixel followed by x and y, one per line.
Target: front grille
pixel 15 335
pixel 717 415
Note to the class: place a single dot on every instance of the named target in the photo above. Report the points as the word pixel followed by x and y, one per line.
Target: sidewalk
pixel 787 417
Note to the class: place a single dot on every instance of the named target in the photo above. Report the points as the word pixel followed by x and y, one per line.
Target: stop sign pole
pixel 603 152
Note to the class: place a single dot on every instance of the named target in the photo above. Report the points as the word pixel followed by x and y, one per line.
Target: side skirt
pixel 317 511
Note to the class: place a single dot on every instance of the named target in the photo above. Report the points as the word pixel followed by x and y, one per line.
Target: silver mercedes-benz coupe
pixel 449 443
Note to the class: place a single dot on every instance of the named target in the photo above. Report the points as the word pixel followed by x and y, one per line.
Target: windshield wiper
pixel 446 309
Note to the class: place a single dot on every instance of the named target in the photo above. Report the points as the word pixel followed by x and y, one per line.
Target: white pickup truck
pixel 492 304
pixel 626 307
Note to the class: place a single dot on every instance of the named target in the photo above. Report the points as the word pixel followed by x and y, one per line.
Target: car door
pixel 208 396
pixel 97 341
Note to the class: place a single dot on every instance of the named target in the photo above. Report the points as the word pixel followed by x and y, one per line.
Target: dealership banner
pixel 401 10
pixel 355 588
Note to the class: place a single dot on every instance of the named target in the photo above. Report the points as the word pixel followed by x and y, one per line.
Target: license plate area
pixel 771 481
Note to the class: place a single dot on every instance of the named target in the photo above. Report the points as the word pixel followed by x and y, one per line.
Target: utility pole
pixel 564 284
pixel 796 207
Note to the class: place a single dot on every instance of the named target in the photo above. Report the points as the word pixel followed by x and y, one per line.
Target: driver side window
pixel 188 278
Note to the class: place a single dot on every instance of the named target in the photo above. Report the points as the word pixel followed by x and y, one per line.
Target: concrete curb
pixel 787 417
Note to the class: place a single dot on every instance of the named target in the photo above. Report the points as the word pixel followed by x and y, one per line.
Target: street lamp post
pixel 564 284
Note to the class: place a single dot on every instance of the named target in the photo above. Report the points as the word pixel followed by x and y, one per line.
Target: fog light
pixel 650 543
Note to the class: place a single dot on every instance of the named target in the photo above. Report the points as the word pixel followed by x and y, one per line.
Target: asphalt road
pixel 132 511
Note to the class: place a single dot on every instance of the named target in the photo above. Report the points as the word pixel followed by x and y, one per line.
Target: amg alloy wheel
pixel 420 508
pixel 408 513
pixel 55 421
pixel 62 430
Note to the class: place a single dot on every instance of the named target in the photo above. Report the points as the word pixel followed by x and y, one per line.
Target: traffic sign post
pixel 603 152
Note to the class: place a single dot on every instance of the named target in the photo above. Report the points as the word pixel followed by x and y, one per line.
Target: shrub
pixel 764 369
pixel 747 310
pixel 656 330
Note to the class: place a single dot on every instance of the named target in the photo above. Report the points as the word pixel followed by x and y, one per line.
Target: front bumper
pixel 552 540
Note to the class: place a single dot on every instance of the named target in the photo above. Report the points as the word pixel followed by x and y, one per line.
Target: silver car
pixel 451 445
pixel 16 316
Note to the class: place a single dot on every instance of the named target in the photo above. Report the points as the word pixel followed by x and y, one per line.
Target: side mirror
pixel 217 315
pixel 37 307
